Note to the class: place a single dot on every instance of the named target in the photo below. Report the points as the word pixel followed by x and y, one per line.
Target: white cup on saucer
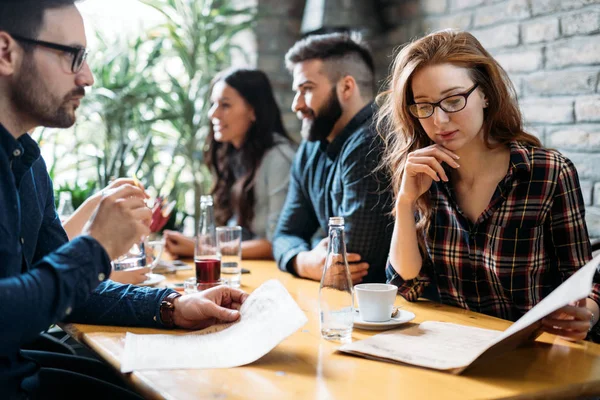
pixel 375 301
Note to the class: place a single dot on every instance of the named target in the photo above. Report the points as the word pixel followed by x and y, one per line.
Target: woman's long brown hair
pixel 402 133
pixel 236 196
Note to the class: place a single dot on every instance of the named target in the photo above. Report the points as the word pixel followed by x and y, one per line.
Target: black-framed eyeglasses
pixel 450 104
pixel 79 53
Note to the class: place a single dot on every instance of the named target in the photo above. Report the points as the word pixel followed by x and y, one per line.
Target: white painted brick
pixel 434 6
pixel 579 23
pixel 545 30
pixel 460 4
pixel 456 21
pixel 499 36
pixel 588 109
pixel 517 84
pixel 506 11
pixel 547 111
pixel 545 6
pixel 521 60
pixel 545 83
pixel 539 7
pixel 582 137
pixel 537 131
pixel 586 191
pixel 594 138
pixel 575 51
pixel 597 194
pixel 586 164
pixel 592 220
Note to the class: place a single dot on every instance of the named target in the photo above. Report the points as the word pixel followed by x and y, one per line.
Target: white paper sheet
pixel 268 316
pixel 431 344
pixel 451 347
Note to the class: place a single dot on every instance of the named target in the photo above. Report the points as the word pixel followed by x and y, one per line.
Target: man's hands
pixel 121 219
pixel 571 322
pixel 177 244
pixel 200 310
pixel 310 264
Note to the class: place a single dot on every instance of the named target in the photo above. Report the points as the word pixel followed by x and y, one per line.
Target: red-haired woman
pixel 483 211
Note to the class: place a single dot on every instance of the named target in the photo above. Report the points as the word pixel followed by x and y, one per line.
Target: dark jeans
pixel 65 376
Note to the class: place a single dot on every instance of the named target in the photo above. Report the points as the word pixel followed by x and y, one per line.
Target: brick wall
pixel 277 30
pixel 550 48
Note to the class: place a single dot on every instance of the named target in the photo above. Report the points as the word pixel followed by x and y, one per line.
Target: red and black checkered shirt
pixel 530 239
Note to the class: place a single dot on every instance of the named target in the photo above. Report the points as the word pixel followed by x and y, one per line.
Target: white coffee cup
pixel 375 301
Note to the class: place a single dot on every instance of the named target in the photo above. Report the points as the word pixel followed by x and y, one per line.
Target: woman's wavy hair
pixel 402 133
pixel 236 196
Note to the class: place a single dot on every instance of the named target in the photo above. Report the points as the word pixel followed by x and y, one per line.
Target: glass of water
pixel 135 257
pixel 229 246
pixel 154 250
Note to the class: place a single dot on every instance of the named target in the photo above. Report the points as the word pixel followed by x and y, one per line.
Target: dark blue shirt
pixel 338 179
pixel 44 278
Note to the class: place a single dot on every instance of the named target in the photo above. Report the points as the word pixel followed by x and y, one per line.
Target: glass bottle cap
pixel 336 221
pixel 206 199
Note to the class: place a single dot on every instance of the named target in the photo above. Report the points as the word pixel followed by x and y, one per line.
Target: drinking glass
pixel 135 257
pixel 154 250
pixel 206 255
pixel 229 245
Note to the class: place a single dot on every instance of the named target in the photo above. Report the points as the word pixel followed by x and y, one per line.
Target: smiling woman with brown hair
pixel 483 211
pixel 249 154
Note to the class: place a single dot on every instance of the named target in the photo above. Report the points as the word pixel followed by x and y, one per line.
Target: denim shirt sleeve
pixel 297 222
pixel 118 304
pixel 32 301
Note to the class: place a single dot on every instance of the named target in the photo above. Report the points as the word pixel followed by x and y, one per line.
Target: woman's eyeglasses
pixel 450 104
pixel 79 53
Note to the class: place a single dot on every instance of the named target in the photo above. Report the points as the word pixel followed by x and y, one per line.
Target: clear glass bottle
pixel 336 300
pixel 206 255
pixel 65 206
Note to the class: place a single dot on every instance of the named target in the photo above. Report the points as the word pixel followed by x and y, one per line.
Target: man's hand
pixel 114 184
pixel 310 264
pixel 177 244
pixel 121 219
pixel 200 310
pixel 571 322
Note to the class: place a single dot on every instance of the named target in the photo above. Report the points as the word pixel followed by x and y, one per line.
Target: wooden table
pixel 304 366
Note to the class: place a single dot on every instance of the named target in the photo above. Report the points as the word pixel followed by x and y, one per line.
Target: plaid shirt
pixel 336 180
pixel 530 239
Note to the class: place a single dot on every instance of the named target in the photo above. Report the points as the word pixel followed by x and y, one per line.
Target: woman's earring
pixel 486 104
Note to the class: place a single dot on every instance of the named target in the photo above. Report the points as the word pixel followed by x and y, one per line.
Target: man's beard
pixel 322 124
pixel 32 97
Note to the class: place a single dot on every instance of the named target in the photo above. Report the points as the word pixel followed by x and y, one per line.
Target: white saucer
pixel 402 318
pixel 153 279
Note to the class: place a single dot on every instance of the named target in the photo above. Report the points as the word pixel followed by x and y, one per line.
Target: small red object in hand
pixel 161 212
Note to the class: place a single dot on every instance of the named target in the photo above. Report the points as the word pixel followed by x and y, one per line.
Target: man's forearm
pixel 286 248
pixel 297 264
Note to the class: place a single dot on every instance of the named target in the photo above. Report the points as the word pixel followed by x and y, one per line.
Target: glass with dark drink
pixel 206 255
pixel 208 269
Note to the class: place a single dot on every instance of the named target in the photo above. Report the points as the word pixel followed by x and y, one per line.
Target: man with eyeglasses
pixel 43 277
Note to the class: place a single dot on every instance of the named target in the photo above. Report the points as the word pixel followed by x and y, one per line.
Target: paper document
pixel 453 348
pixel 268 316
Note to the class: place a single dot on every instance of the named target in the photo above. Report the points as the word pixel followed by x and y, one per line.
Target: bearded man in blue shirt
pixel 334 171
pixel 43 277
